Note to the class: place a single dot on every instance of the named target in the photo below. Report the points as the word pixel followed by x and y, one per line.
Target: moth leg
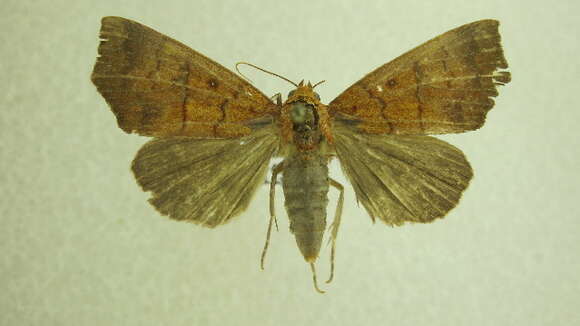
pixel 277 169
pixel 314 278
pixel 335 224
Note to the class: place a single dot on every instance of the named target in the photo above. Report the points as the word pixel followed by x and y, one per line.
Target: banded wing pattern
pixel 445 85
pixel 159 87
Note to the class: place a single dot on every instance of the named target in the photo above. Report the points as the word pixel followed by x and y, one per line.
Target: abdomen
pixel 305 183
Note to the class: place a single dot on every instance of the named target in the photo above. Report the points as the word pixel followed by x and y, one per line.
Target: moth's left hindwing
pixel 204 181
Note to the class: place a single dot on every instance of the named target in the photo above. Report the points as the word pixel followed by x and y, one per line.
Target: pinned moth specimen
pixel 214 134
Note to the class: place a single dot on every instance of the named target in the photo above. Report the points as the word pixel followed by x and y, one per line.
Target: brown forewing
pixel 157 86
pixel 204 181
pixel 402 178
pixel 445 85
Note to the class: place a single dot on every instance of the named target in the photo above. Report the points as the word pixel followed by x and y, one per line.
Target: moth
pixel 214 134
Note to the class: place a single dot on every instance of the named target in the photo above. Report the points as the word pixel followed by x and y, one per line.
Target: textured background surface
pixel 81 246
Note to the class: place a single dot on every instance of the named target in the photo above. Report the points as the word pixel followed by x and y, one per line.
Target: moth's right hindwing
pixel 402 178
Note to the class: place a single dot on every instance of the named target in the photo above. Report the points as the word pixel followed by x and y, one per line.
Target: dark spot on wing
pixel 213 83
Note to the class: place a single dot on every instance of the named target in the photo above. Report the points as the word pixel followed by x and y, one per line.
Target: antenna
pixel 320 82
pixel 262 69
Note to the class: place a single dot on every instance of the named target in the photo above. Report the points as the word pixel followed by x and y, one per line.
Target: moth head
pixel 303 116
pixel 304 93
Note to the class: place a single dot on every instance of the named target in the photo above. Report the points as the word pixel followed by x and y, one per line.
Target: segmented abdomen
pixel 305 183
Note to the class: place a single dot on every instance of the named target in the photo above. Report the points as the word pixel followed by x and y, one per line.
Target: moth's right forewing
pixel 204 181
pixel 445 85
pixel 402 178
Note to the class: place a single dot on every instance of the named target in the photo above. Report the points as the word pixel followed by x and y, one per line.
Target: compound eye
pixel 291 93
pixel 317 96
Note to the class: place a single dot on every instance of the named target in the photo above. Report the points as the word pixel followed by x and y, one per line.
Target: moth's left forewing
pixel 401 178
pixel 157 86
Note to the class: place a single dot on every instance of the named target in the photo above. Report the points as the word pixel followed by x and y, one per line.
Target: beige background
pixel 80 245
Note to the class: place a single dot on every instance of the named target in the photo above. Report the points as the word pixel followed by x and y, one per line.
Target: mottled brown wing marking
pixel 204 181
pixel 442 86
pixel 402 178
pixel 157 86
